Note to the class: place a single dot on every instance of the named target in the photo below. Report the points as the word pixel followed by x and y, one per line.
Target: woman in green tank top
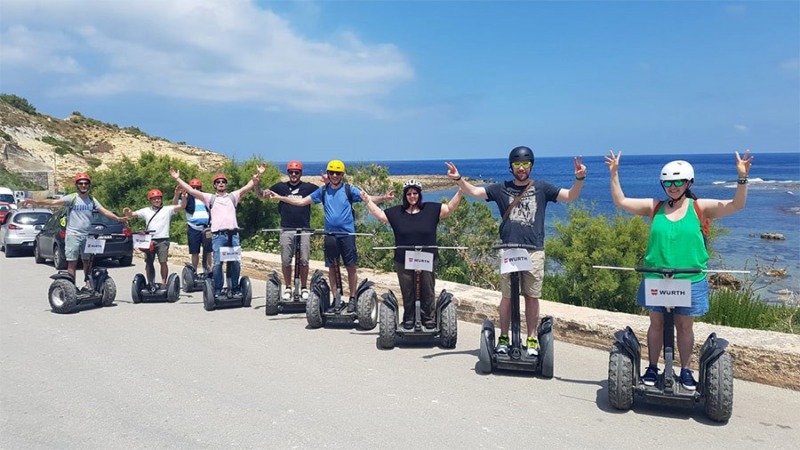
pixel 676 241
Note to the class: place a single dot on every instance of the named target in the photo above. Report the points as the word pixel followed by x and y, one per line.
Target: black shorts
pixel 195 238
pixel 341 245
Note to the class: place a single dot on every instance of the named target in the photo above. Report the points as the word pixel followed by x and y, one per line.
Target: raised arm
pixel 714 209
pixel 47 202
pixel 378 199
pixel 572 194
pixel 373 208
pixel 304 201
pixel 464 185
pixel 451 206
pixel 111 215
pixel 253 181
pixel 189 190
pixel 638 206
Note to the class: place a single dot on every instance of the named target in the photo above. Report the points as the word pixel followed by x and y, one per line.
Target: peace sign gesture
pixel 580 169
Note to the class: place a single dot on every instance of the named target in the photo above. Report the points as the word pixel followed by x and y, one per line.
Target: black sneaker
pixel 351 305
pixel 650 376
pixel 430 323
pixel 687 380
pixel 408 324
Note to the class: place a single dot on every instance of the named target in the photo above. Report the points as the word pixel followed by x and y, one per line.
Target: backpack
pixel 68 207
pixel 348 191
pixel 705 223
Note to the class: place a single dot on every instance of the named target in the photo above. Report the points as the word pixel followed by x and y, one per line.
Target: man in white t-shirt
pixel 157 218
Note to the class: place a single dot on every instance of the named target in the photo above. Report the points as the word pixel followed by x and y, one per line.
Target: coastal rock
pixel 773 236
pixel 777 273
pixel 724 281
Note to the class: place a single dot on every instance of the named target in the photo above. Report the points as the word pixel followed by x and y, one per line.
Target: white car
pixel 20 229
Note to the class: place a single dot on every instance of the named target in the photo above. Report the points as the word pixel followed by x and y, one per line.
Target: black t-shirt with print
pixel 294 216
pixel 525 223
pixel 414 229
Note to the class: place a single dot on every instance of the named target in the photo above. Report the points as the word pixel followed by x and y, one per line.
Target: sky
pixel 411 80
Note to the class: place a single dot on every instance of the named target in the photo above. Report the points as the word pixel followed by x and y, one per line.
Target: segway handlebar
pixel 419 247
pixel 664 271
pixel 298 230
pixel 506 245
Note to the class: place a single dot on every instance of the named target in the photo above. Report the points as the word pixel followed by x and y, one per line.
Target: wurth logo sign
pixel 667 292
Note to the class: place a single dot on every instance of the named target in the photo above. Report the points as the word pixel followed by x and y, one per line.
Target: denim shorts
pixel 196 241
pixel 699 300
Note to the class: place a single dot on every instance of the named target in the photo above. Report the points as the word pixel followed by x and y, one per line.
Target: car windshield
pixel 7 198
pixel 32 218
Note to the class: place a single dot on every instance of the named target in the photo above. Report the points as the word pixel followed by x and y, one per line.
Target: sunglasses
pixel 331 173
pixel 521 164
pixel 293 172
pixel 676 183
pixel 83 183
pixel 221 182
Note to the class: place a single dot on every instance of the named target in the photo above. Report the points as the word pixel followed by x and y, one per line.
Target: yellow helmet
pixel 336 166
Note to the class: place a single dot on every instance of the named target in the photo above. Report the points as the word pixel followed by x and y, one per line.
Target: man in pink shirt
pixel 222 209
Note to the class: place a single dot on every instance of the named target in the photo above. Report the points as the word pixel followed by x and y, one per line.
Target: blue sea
pixel 773 203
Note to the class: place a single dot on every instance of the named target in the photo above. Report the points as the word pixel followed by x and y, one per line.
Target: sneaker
pixel 502 344
pixel 650 376
pixel 687 380
pixel 430 323
pixel 533 346
pixel 304 294
pixel 287 293
pixel 351 305
pixel 408 324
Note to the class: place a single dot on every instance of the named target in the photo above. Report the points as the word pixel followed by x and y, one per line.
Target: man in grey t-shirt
pixel 80 206
pixel 523 224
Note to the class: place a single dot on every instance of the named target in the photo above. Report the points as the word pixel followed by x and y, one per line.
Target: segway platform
pixel 275 303
pixel 517 358
pixel 64 296
pixel 227 299
pixel 391 330
pixel 320 311
pixel 142 292
pixel 193 281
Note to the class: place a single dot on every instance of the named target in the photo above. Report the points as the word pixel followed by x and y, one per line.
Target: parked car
pixel 20 229
pixel 7 196
pixel 5 208
pixel 49 244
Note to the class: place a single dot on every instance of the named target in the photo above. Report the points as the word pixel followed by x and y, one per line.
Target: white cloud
pixel 217 50
pixel 741 128
pixel 790 66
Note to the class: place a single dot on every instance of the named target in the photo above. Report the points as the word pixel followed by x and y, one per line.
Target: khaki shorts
pixel 161 250
pixel 530 282
pixel 287 242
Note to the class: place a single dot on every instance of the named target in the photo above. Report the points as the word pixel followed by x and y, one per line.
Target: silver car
pixel 21 227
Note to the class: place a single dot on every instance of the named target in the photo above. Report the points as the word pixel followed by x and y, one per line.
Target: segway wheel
pixel 209 303
pixel 187 274
pixel 546 355
pixel 314 315
pixel 246 288
pixel 387 336
pixel 63 296
pixel 273 297
pixel 620 379
pixel 173 288
pixel 718 389
pixel 487 348
pixel 109 293
pixel 448 324
pixel 367 309
pixel 137 285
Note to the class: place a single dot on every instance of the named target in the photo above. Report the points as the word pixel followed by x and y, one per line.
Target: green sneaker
pixel 502 344
pixel 533 346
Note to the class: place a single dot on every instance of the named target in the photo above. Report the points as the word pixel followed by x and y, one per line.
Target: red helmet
pixel 219 176
pixel 195 183
pixel 294 165
pixel 82 176
pixel 154 193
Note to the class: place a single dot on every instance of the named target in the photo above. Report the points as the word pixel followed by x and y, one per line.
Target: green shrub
pixel 744 309
pixel 19 103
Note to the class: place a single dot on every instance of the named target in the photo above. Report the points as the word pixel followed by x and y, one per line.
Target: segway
pixel 322 310
pixel 296 303
pixel 446 328
pixel 147 289
pixel 230 296
pixel 193 280
pixel 715 381
pixel 516 259
pixel 64 296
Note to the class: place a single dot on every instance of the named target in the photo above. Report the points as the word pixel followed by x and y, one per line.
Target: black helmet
pixel 520 153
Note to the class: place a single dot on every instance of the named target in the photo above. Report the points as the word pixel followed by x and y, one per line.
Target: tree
pixel 19 103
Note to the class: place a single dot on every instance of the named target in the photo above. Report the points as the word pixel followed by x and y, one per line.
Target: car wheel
pixel 59 260
pixel 126 261
pixel 10 252
pixel 37 257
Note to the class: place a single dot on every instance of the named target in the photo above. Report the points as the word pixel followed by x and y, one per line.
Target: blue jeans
pixel 221 240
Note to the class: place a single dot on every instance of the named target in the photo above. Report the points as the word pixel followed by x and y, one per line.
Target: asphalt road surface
pixel 175 376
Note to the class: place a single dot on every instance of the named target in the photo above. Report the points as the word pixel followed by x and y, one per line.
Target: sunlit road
pixel 175 376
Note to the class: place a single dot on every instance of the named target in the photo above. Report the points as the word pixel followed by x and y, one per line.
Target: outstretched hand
pixel 613 161
pixel 452 171
pixel 743 163
pixel 580 169
pixel 389 195
pixel 174 173
pixel 364 196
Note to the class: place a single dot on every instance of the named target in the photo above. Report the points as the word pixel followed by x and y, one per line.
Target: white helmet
pixel 412 183
pixel 677 170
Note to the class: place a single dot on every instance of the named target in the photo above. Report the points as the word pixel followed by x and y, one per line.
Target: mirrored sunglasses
pixel 520 164
pixel 676 183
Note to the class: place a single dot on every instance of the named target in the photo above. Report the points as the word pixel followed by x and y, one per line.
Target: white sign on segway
pixel 515 260
pixel 667 292
pixel 229 254
pixel 416 260
pixel 94 246
pixel 141 241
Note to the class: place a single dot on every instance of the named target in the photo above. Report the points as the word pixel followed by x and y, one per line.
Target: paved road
pixel 176 376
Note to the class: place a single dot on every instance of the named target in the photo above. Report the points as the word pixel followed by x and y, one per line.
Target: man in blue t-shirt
pixel 198 223
pixel 337 198
pixel 522 203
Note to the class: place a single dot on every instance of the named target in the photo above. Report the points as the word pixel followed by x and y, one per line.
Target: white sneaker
pixel 304 294
pixel 287 293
